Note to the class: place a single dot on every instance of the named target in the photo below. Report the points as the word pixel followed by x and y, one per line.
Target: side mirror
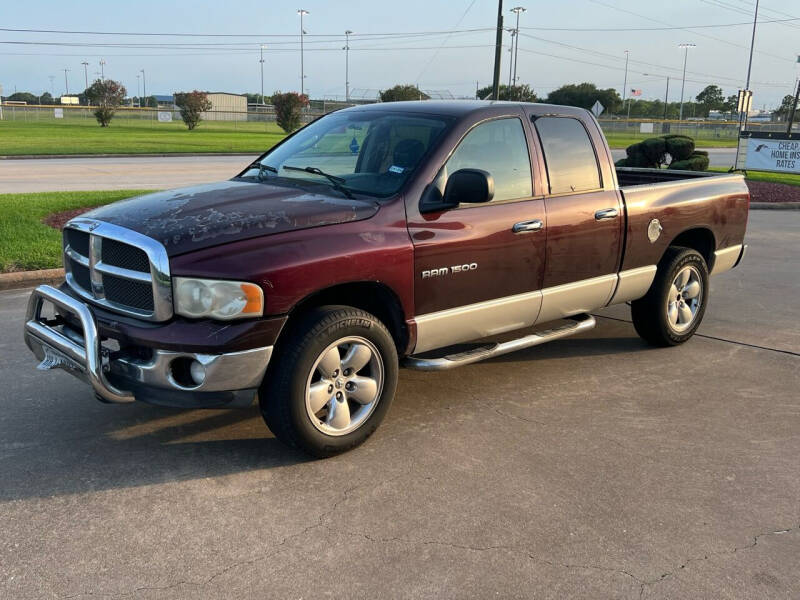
pixel 468 186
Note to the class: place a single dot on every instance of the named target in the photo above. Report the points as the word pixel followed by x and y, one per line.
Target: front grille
pixel 118 269
pixel 78 240
pixel 137 294
pixel 125 256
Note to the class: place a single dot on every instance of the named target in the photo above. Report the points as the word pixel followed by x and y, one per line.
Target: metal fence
pixel 260 117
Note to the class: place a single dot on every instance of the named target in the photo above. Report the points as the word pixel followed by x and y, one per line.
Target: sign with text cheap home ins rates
pixel 773 155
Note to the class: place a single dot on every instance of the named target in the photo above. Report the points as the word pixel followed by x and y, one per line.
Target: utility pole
pixel 510 60
pixel 85 73
pixel 52 87
pixel 261 60
pixel 66 82
pixel 498 48
pixel 666 98
pixel 302 12
pixel 625 81
pixel 139 89
pixel 743 118
pixel 102 70
pixel 517 10
pixel 144 84
pixel 794 107
pixel 683 84
pixel 347 65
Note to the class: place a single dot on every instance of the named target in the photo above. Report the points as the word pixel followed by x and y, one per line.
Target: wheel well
pixel 373 297
pixel 699 239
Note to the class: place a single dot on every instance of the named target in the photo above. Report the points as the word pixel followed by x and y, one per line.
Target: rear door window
pixel 569 154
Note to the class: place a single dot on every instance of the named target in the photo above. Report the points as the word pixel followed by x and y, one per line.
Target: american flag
pixel 635 92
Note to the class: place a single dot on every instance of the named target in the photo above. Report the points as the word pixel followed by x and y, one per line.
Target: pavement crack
pixel 715 338
pixel 517 417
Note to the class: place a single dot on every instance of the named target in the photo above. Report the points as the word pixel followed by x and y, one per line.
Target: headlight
pixel 214 299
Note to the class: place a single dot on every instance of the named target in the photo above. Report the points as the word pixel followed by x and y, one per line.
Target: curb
pixel 775 205
pixel 154 155
pixel 24 279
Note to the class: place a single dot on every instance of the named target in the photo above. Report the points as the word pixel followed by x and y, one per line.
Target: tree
pixel 46 98
pixel 785 108
pixel 403 92
pixel 192 105
pixel 585 95
pixel 26 97
pixel 518 93
pixel 711 98
pixel 730 105
pixel 288 109
pixel 106 95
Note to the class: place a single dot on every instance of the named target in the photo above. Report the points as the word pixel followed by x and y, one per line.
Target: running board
pixel 581 323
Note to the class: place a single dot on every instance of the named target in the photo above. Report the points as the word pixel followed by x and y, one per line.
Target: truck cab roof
pixel 461 108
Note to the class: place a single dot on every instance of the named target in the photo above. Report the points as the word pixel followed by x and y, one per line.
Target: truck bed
pixel 630 176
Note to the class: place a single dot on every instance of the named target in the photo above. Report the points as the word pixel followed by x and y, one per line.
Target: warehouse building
pixel 226 107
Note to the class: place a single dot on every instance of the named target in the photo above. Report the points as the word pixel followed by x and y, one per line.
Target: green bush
pixel 679 147
pixel 652 154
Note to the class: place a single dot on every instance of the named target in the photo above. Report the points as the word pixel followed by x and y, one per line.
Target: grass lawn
pixel 129 136
pixel 785 178
pixel 617 140
pixel 25 242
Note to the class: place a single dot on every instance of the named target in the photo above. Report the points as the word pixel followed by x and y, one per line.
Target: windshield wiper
pixel 262 168
pixel 335 181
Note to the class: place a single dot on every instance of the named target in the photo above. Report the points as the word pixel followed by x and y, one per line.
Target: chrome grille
pixel 118 268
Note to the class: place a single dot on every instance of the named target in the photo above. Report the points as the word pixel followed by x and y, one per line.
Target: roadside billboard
pixel 776 152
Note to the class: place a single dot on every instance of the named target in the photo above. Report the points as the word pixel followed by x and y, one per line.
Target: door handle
pixel 606 213
pixel 527 226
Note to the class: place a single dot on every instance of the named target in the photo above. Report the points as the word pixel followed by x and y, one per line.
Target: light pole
pixel 138 90
pixel 102 70
pixel 85 73
pixel 302 12
pixel 683 82
pixel 625 82
pixel 347 65
pixel 498 45
pixel 510 61
pixel 261 60
pixel 517 10
pixel 66 82
pixel 144 84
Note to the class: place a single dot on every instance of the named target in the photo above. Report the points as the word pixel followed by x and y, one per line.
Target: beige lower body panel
pixel 493 317
pixel 725 259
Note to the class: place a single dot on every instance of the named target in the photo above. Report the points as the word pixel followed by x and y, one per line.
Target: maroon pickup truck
pixel 432 234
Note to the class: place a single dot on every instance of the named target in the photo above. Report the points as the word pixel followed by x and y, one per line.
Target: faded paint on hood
pixel 202 216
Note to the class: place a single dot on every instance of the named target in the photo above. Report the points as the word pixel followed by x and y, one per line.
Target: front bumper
pixel 157 376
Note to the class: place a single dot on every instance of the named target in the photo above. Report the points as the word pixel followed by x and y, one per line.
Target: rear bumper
pixel 158 376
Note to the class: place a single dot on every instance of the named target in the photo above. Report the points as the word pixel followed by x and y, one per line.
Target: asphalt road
pixel 593 467
pixel 122 173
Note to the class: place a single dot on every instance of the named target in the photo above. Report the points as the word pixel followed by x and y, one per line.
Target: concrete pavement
pixel 593 467
pixel 154 172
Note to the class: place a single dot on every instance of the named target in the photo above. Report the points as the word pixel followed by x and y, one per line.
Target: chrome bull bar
pixel 56 350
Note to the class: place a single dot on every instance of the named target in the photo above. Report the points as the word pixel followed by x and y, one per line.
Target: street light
pixel 347 65
pixel 85 73
pixel 261 60
pixel 66 82
pixel 666 93
pixel 683 83
pixel 102 70
pixel 625 83
pixel 517 10
pixel 302 12
pixel 510 61
pixel 144 84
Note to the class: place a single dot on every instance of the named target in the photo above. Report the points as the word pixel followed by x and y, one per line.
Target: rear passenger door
pixel 584 218
pixel 475 275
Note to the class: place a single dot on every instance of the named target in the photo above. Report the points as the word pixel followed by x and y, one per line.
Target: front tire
pixel 333 381
pixel 674 306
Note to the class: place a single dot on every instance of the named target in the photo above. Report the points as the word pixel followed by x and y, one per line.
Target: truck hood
pixel 201 216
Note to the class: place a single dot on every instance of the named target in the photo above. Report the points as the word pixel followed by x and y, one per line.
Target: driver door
pixel 479 267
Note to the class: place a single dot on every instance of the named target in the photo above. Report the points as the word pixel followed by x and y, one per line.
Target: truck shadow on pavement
pixel 63 442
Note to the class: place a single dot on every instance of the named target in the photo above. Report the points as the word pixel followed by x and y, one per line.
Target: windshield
pixel 354 152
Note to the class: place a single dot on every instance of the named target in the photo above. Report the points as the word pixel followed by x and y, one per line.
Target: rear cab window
pixel 569 155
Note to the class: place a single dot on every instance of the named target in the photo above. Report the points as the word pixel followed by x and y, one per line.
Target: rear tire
pixel 674 306
pixel 332 383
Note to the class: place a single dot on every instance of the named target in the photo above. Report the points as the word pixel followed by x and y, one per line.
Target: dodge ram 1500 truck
pixel 432 234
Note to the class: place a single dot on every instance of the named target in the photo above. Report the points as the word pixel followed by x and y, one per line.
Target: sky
pixel 445 47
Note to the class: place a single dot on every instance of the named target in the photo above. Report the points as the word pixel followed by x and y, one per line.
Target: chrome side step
pixel 581 323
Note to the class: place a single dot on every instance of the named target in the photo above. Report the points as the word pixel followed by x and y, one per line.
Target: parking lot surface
pixel 593 467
